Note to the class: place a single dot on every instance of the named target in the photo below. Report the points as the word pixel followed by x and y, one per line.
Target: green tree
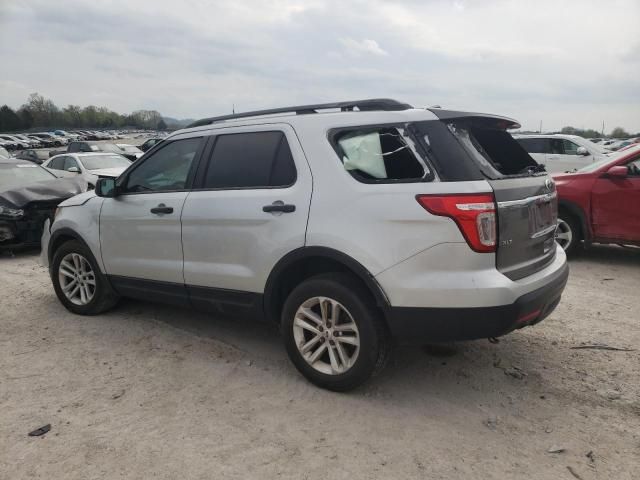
pixel 9 120
pixel 619 132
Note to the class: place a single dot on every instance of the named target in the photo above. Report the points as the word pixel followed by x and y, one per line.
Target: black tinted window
pixel 167 169
pixel 535 145
pixel 258 159
pixel 57 163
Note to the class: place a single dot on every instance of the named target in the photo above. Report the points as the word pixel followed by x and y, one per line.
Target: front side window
pixel 167 169
pixel 634 167
pixel 250 160
pixel 570 148
pixel 379 155
pixel 70 162
pixel 57 163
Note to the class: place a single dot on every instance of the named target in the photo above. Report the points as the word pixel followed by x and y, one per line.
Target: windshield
pixel 105 147
pixel 98 162
pixel 130 149
pixel 15 175
pixel 610 159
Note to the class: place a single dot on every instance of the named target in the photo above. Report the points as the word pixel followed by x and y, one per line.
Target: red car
pixel 600 203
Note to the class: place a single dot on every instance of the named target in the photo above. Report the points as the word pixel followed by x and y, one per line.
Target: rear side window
pixel 379 155
pixel 250 160
pixel 535 145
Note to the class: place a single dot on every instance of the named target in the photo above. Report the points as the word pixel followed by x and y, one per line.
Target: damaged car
pixel 29 195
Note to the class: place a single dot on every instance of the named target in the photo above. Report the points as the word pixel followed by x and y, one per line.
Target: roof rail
pixel 384 104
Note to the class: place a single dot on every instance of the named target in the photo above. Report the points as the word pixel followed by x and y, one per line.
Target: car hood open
pixel 52 190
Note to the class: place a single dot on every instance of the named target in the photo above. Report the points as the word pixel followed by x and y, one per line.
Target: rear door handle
pixel 162 208
pixel 279 206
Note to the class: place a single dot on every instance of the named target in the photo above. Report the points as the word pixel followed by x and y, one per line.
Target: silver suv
pixel 354 225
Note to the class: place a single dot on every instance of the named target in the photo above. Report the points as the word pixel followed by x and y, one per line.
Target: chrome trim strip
pixel 544 232
pixel 547 197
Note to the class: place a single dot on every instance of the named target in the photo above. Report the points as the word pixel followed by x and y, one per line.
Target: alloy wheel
pixel 326 335
pixel 564 235
pixel 77 279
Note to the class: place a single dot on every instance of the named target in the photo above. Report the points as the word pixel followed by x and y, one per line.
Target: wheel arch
pixel 61 236
pixel 576 211
pixel 306 262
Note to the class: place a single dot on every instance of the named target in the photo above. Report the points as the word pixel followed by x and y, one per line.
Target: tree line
pixel 617 132
pixel 40 112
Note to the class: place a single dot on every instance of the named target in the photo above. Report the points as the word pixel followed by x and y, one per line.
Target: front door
pixel 140 231
pixel 615 205
pixel 248 210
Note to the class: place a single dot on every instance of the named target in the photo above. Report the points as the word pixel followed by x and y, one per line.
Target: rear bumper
pixel 421 325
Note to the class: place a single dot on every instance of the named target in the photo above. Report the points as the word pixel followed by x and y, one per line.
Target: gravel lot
pixel 149 391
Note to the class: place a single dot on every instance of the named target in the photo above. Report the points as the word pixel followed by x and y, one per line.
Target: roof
pixel 13 160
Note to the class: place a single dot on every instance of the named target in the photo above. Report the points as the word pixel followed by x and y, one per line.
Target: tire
pixel 91 299
pixel 356 306
pixel 568 232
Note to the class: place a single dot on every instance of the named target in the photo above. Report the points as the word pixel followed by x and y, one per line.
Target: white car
pixel 90 165
pixel 130 150
pixel 562 153
pixel 352 225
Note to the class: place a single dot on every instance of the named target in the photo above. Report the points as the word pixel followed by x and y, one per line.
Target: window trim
pixel 124 177
pixel 207 157
pixel 430 176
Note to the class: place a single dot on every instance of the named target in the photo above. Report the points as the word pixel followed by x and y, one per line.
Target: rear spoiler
pixel 480 119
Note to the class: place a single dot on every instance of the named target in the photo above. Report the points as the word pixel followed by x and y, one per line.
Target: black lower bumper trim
pixel 423 325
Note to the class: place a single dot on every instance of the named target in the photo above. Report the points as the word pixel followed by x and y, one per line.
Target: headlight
pixel 11 212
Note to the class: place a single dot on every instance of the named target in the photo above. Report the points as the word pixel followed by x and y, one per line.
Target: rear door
pixel 248 210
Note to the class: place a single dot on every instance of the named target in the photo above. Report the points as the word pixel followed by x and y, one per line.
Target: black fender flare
pixel 63 232
pixel 321 252
pixel 577 211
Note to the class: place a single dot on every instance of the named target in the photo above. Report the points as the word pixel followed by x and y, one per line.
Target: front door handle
pixel 279 206
pixel 162 208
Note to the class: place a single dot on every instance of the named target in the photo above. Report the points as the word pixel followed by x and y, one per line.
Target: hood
pixel 79 199
pixel 107 172
pixel 49 191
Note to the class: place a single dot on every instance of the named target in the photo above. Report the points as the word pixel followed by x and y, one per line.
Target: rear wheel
pixel 568 232
pixel 334 334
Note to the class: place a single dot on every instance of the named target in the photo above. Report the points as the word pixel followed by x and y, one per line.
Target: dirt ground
pixel 148 391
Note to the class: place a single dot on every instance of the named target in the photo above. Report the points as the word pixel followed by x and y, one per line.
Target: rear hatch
pixel 524 193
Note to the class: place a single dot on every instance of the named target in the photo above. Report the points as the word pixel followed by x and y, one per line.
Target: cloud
pixel 563 63
pixel 364 46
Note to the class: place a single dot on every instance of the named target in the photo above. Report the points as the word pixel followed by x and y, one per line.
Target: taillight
pixel 475 215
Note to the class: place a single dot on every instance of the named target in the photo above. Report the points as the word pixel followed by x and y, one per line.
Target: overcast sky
pixel 565 63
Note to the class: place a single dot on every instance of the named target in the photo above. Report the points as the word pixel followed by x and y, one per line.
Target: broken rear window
pixel 380 155
pixel 495 151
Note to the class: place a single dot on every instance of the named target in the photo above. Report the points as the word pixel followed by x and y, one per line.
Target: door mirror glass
pixel 73 170
pixel 106 187
pixel 582 151
pixel 619 171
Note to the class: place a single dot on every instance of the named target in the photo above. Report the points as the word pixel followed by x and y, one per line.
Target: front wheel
pixel 567 233
pixel 334 334
pixel 78 282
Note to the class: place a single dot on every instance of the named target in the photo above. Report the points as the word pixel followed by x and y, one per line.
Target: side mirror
pixel 73 170
pixel 618 171
pixel 106 187
pixel 582 151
